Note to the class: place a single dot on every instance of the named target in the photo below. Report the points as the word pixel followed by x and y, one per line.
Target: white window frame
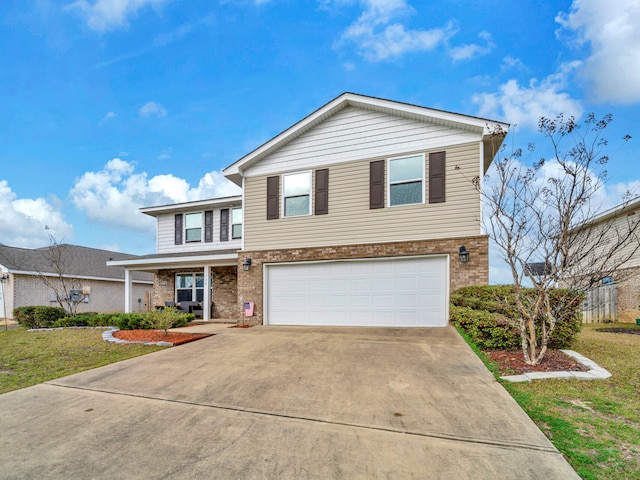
pixel 201 226
pixel 284 211
pixel 233 209
pixel 194 288
pixel 407 180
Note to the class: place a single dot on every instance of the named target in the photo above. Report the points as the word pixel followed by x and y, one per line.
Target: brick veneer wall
pixel 475 272
pixel 225 289
pixel 629 295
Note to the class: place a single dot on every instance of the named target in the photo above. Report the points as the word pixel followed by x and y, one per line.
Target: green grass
pixel 595 424
pixel 29 358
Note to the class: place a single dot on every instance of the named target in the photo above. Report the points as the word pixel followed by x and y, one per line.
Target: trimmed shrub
pixel 488 330
pixel 25 316
pixel 38 316
pixel 86 320
pixel 499 300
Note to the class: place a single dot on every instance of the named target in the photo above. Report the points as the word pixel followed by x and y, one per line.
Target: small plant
pixel 165 318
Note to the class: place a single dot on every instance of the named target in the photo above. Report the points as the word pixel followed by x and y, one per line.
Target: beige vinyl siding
pixel 350 221
pixel 619 225
pixel 166 237
pixel 353 134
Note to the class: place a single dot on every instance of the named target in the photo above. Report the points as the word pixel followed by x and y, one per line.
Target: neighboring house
pixel 619 296
pixel 356 215
pixel 103 286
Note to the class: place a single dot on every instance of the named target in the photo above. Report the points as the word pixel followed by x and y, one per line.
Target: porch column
pixel 127 290
pixel 206 301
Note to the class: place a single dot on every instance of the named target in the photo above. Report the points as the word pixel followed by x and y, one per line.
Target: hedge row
pixel 46 317
pixel 487 314
pixel 38 316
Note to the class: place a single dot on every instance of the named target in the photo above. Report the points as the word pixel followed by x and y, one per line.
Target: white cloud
pixel 154 109
pixel 610 29
pixel 378 36
pixel 23 220
pixel 469 51
pixel 523 105
pixel 113 195
pixel 107 117
pixel 105 15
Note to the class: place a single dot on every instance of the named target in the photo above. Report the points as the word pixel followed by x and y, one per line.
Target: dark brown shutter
pixel 208 226
pixel 178 229
pixel 322 192
pixel 224 225
pixel 437 177
pixel 273 198
pixel 376 184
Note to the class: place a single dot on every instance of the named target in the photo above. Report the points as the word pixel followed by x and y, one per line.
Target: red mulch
pixel 158 336
pixel 512 363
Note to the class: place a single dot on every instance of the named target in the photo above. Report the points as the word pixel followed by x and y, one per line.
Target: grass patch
pixel 29 358
pixel 595 424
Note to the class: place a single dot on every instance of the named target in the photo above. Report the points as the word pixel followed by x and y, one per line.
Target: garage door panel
pixel 381 292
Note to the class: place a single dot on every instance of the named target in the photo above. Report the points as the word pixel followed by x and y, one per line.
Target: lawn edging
pixel 596 372
pixel 108 337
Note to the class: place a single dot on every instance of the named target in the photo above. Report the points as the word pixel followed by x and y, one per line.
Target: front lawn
pixel 595 424
pixel 29 358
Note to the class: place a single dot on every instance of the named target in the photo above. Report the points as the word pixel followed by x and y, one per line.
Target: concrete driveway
pixel 280 403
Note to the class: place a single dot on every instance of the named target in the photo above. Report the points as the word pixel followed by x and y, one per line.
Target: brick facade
pixel 475 272
pixel 225 289
pixel 629 295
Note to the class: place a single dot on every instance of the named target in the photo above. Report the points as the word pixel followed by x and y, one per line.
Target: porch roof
pixel 163 261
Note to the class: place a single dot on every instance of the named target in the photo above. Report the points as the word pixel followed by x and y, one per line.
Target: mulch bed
pixel 512 363
pixel 158 336
pixel 633 331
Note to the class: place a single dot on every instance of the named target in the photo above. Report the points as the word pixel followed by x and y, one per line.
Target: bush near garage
pixel 488 314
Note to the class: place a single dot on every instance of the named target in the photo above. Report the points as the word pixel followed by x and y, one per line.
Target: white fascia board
pixel 234 172
pixel 177 261
pixel 234 201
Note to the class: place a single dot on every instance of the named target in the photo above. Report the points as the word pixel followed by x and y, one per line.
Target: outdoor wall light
pixel 464 255
pixel 246 264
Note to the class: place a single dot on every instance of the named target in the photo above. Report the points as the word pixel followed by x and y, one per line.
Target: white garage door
pixel 395 292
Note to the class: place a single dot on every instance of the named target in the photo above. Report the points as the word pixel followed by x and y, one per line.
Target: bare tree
pixel 66 288
pixel 546 222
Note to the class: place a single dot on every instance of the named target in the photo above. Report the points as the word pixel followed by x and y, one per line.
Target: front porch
pixel 203 283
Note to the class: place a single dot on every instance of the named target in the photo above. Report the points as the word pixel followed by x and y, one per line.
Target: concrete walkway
pixel 280 403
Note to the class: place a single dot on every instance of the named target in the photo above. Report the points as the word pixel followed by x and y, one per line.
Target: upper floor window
pixel 193 227
pixel 236 223
pixel 406 180
pixel 296 193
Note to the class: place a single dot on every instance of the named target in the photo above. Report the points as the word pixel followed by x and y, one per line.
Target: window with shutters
pixel 193 227
pixel 405 180
pixel 236 222
pixel 296 194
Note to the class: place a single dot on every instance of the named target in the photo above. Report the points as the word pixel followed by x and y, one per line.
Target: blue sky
pixel 111 105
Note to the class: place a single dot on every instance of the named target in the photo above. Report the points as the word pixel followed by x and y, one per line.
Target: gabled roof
pixel 81 262
pixel 487 128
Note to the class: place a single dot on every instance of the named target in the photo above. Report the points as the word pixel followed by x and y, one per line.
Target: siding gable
pixel 356 134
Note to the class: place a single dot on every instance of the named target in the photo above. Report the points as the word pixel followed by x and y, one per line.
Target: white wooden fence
pixel 601 305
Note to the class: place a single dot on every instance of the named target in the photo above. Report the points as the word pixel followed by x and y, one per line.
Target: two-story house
pixel 366 212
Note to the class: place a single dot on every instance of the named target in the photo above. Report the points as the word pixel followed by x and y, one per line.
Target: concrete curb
pixel 596 372
pixel 108 337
